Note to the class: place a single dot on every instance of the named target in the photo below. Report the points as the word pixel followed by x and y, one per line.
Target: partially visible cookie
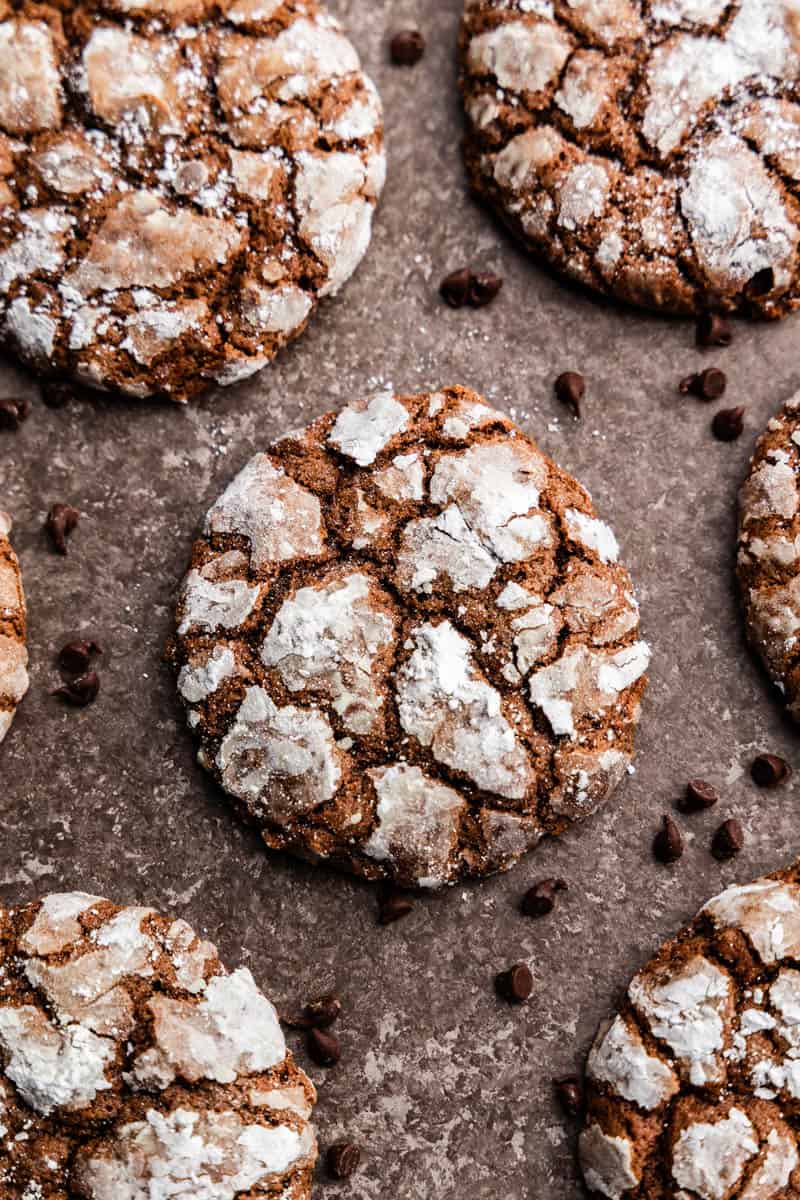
pixel 769 551
pixel 406 642
pixel 181 181
pixel 133 1065
pixel 693 1088
pixel 13 652
pixel 649 151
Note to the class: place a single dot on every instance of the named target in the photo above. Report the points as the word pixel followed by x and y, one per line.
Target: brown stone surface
pixel 445 1086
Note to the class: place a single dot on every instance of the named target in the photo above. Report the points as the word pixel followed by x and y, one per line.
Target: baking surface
pixel 447 1088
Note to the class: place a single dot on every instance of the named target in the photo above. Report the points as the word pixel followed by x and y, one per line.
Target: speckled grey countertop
pixel 447 1088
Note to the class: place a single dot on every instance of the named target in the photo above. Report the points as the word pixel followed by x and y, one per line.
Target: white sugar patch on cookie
pixel 607 1163
pixel 30 92
pixel 619 1058
pixel 522 57
pixel 198 681
pixel 710 1158
pixel 53 1068
pixel 365 428
pixel 768 912
pixel 583 681
pixel 416 818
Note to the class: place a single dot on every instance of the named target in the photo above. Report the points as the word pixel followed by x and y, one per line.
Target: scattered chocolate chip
pixel 454 288
pixel 699 795
pixel 761 284
pixel 13 411
pixel 483 288
pixel 728 840
pixel 728 424
pixel 668 843
pixel 74 658
pixel 515 984
pixel 769 771
pixel 342 1160
pixel 407 47
pixel 570 389
pixel 539 900
pixel 323 1012
pixel 323 1048
pixel 60 522
pixel 56 393
pixel 709 384
pixel 713 330
pixel 80 691
pixel 569 1093
pixel 392 905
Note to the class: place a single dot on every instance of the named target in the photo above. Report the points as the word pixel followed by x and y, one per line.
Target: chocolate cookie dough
pixel 693 1087
pixel 133 1065
pixel 13 652
pixel 406 642
pixel 769 551
pixel 180 182
pixel 650 151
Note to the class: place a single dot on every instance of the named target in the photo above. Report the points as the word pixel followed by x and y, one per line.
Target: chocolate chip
pixel 323 1012
pixel 761 283
pixel 570 389
pixel 699 795
pixel 56 393
pixel 728 840
pixel 74 658
pixel 709 384
pixel 392 905
pixel 454 288
pixel 569 1093
pixel 668 843
pixel 515 984
pixel 342 1160
pixel 483 288
pixel 407 47
pixel 13 411
pixel 539 900
pixel 728 424
pixel 60 522
pixel 713 330
pixel 323 1048
pixel 769 771
pixel 80 691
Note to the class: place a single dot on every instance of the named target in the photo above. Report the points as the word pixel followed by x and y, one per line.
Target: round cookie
pixel 768 565
pixel 693 1088
pixel 133 1065
pixel 180 182
pixel 648 150
pixel 406 643
pixel 13 653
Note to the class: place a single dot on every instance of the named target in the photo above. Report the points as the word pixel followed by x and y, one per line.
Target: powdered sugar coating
pixel 768 565
pixel 191 1086
pixel 648 151
pixel 223 159
pixel 13 652
pixel 363 626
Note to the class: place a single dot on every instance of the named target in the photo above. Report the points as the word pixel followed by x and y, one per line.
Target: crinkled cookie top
pixel 13 650
pixel 649 150
pixel 180 182
pixel 406 643
pixel 133 1065
pixel 693 1087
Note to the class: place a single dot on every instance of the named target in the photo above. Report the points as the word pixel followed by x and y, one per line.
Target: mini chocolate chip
pixel 761 283
pixel 668 843
pixel 570 389
pixel 323 1048
pixel 455 288
pixel 80 691
pixel 13 411
pixel 728 424
pixel 728 840
pixel 342 1160
pixel 515 984
pixel 539 900
pixel 483 288
pixel 74 658
pixel 698 796
pixel 709 384
pixel 392 904
pixel 322 1013
pixel 407 47
pixel 61 520
pixel 713 330
pixel 569 1093
pixel 58 392
pixel 769 771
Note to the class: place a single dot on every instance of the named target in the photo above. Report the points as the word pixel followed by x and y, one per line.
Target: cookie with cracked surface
pixel 406 644
pixel 768 564
pixel 13 651
pixel 648 150
pixel 181 181
pixel 693 1089
pixel 133 1064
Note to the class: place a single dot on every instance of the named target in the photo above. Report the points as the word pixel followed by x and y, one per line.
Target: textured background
pixel 447 1088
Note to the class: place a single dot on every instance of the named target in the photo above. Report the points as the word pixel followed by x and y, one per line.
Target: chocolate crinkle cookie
pixel 693 1087
pixel 648 150
pixel 406 644
pixel 133 1065
pixel 769 551
pixel 180 182
pixel 13 651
